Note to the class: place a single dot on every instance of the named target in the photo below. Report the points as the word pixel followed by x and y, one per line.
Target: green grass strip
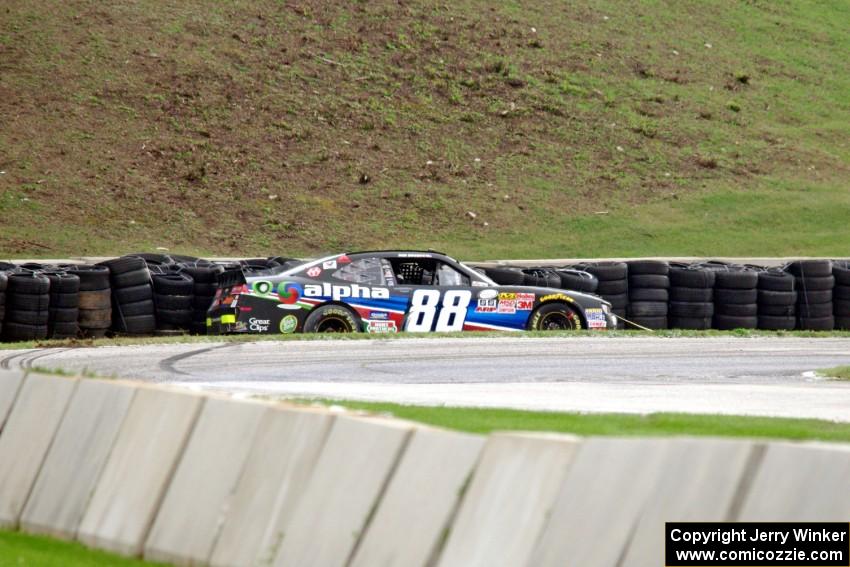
pixel 26 550
pixel 486 420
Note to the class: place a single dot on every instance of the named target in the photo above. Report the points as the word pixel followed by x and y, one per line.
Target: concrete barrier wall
pixel 200 480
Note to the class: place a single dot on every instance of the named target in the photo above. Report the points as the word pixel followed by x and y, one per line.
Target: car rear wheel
pixel 331 319
pixel 554 317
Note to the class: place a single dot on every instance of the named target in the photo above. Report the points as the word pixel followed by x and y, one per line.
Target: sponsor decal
pixel 379 315
pixel 487 306
pixel 507 306
pixel 288 292
pixel 596 318
pixel 343 260
pixel 314 272
pixel 408 255
pixel 288 324
pixel 329 265
pixel 524 301
pixel 507 296
pixel 477 283
pixel 381 326
pixel 556 297
pixel 487 294
pixel 338 292
pixel 246 309
pixel 262 287
pixel 258 325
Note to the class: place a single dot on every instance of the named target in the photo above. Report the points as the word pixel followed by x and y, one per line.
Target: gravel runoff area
pixel 742 376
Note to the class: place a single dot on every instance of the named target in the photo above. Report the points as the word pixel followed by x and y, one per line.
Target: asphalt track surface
pixel 752 376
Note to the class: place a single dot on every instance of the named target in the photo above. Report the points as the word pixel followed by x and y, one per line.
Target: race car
pixel 391 291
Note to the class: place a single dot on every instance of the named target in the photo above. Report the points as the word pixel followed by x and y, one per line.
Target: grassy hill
pixel 582 128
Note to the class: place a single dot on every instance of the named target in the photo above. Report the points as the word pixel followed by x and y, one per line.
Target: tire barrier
pixel 144 294
pixel 649 284
pixel 841 294
pixel 160 472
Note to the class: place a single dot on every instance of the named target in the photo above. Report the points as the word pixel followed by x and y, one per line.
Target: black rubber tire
pixel 134 293
pixel 4 281
pixel 26 317
pixel 63 283
pixel 144 307
pixel 814 310
pixel 735 296
pixel 332 319
pixel 204 289
pixel 202 273
pixel 578 280
pixel 124 265
pixel 842 323
pixel 173 302
pixel 541 278
pixel 92 278
pixel 767 297
pixel 201 303
pixel 64 300
pixel 841 292
pixel 607 271
pixel 810 268
pixel 648 267
pixel 173 284
pixel 692 276
pixel 815 284
pixel 729 322
pixel 841 272
pixel 22 332
pixel 155 259
pixel 695 323
pixel 777 310
pixel 736 279
pixel 681 310
pixel 31 283
pixel 180 318
pixel 841 308
pixel 649 294
pixel 736 309
pixel 27 301
pixel 95 300
pixel 612 287
pixel 134 278
pixel 137 324
pixel 649 280
pixel 64 315
pixel 505 276
pixel 776 280
pixel 816 323
pixel 647 309
pixel 776 323
pixel 620 301
pixel 691 294
pixel 654 323
pixel 810 296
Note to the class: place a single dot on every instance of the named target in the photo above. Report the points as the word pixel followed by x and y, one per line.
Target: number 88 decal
pixel 423 309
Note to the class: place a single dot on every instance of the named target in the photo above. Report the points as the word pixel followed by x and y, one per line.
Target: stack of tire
pixel 173 296
pixel 691 297
pixel 94 315
pixel 613 286
pixel 777 300
pixel 541 277
pixel 841 294
pixel 505 275
pixel 814 283
pixel 735 296
pixel 649 285
pixel 577 280
pixel 133 311
pixel 204 275
pixel 64 305
pixel 3 282
pixel 26 313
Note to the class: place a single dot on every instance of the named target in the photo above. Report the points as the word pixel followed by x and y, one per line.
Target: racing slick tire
pixel 554 316
pixel 332 319
pixel 505 276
